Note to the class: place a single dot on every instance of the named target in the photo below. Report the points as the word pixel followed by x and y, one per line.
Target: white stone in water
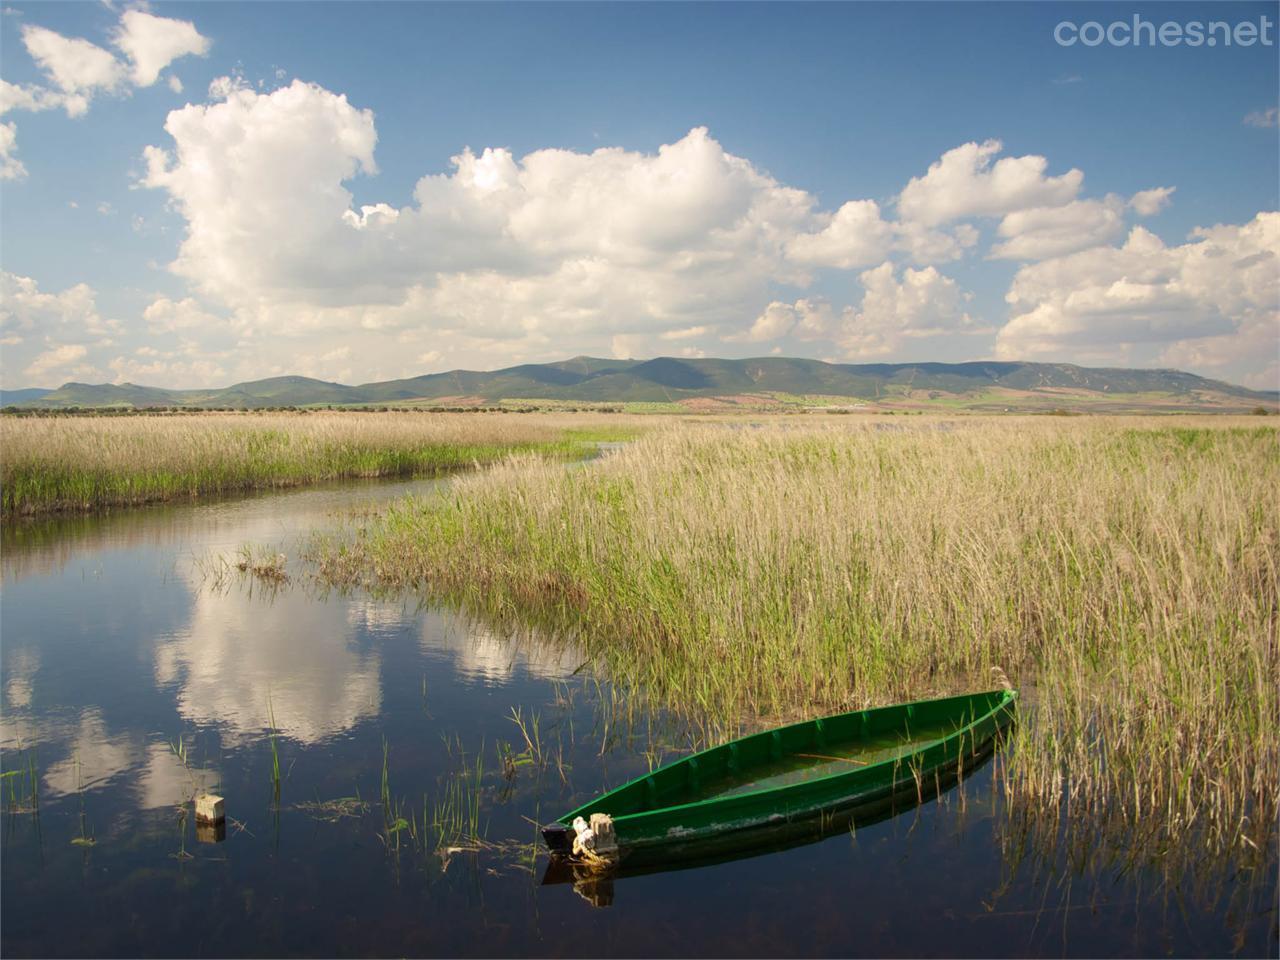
pixel 209 808
pixel 211 832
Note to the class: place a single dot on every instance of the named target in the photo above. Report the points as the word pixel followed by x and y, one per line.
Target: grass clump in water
pixel 455 814
pixel 1123 572
pixel 263 564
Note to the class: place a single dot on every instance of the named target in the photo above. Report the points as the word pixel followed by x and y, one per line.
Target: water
pixel 116 648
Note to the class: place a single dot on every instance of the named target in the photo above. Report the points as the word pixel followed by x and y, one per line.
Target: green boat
pixel 595 881
pixel 794 773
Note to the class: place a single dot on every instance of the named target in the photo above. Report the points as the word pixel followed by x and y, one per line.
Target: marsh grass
pixel 1093 850
pixel 73 463
pixel 335 810
pixel 86 837
pixel 199 777
pixel 395 825
pixel 262 563
pixel 531 732
pixel 180 751
pixel 386 775
pixel 450 824
pixel 456 812
pixel 1123 572
pixel 217 572
pixel 20 787
pixel 182 854
pixel 276 779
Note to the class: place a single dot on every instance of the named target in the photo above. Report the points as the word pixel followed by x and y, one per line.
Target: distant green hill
pixel 105 395
pixel 762 381
pixel 273 392
pixel 8 397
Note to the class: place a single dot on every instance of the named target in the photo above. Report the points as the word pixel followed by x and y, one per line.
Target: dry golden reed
pixel 1123 571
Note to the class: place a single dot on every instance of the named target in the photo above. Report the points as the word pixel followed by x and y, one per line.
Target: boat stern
pixel 559 839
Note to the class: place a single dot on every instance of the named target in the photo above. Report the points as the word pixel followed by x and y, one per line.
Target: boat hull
pixel 682 806
pixel 595 881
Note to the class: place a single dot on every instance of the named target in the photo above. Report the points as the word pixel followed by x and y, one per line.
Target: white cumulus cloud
pixel 1147 203
pixel 895 307
pixel 501 257
pixel 855 236
pixel 1042 232
pixel 11 168
pixel 24 307
pixel 78 70
pixel 27 97
pixel 76 67
pixel 163 315
pixel 613 250
pixel 259 179
pixel 1263 119
pixel 49 333
pixel 966 183
pixel 806 319
pixel 57 359
pixel 685 334
pixel 151 43
pixel 167 369
pixel 1220 285
pixel 549 245
pixel 923 303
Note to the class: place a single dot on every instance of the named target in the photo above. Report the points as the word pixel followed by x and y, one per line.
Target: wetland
pixel 409 675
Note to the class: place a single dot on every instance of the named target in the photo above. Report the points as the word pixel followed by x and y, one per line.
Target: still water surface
pixel 116 647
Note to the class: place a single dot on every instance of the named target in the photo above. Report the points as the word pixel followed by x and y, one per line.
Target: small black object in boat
pixel 559 838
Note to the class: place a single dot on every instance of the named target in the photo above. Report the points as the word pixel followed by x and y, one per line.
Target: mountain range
pixel 706 384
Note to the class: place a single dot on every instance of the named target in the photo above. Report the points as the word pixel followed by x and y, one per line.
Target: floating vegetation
pixel 332 811
pixel 262 564
pixel 253 567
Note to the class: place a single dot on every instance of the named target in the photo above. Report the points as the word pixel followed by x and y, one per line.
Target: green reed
pixel 531 732
pixel 70 464
pixel 386 775
pixel 275 755
pixel 20 787
pixel 455 814
pixel 86 837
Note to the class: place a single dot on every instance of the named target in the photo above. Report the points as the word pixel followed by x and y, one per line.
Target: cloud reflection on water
pixel 491 655
pixel 242 661
pixel 229 657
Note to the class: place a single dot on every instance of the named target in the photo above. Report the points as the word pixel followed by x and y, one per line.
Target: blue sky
pixel 855 182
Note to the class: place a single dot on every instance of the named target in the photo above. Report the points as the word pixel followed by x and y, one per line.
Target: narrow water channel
pixel 132 679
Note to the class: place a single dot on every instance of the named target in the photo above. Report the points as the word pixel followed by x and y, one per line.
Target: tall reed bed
pixel 72 463
pixel 1122 571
